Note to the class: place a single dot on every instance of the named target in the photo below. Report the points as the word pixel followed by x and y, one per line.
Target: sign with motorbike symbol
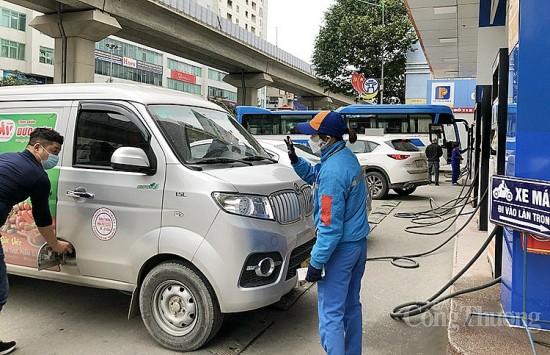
pixel 521 204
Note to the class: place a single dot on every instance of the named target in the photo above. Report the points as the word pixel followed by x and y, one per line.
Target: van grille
pixel 287 206
pixel 290 206
pixel 307 194
pixel 299 254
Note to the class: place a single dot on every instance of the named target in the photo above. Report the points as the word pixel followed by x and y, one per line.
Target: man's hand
pixel 313 274
pixel 291 152
pixel 62 247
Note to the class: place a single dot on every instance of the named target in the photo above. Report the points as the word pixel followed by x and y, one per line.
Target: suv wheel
pixel 377 184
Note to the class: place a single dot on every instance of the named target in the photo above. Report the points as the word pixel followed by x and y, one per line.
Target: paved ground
pixel 51 318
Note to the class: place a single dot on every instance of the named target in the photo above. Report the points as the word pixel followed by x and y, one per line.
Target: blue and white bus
pixel 418 123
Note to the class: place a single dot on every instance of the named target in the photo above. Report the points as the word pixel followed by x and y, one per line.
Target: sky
pixel 293 24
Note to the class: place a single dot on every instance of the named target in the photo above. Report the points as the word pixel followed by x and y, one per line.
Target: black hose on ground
pixel 410 263
pixel 414 308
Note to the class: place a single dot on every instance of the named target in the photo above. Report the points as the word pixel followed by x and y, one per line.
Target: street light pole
pixel 381 5
pixel 111 47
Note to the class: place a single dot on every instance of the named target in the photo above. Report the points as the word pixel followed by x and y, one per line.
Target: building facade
pixel 24 49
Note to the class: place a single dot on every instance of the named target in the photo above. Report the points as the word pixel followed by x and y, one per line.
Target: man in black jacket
pixel 22 175
pixel 434 152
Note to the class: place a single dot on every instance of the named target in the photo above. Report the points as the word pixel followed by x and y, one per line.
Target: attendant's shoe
pixel 6 347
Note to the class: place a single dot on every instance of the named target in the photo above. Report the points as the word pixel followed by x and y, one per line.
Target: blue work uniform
pixel 21 176
pixel 456 157
pixel 340 213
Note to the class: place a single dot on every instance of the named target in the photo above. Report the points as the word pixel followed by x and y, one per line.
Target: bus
pixel 418 123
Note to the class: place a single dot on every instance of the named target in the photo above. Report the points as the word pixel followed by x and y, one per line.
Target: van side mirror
pixel 131 159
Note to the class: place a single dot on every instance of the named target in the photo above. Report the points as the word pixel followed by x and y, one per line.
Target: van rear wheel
pixel 179 309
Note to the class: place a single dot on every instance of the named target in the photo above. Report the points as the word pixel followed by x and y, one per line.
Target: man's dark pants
pixel 433 166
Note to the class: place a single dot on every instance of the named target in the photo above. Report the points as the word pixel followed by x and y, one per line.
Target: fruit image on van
pixel 192 230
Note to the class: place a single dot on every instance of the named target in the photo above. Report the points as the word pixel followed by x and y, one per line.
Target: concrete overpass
pixel 179 27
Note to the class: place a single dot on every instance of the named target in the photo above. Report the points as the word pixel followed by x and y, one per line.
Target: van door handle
pixel 79 192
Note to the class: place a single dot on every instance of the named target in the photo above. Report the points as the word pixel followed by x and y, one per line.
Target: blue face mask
pixel 51 161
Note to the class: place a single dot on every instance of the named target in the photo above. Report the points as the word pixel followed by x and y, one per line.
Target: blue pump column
pixel 528 146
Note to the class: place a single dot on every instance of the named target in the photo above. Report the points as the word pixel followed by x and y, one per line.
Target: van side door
pixel 112 217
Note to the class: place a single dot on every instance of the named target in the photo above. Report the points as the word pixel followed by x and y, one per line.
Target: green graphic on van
pixel 151 186
pixel 20 236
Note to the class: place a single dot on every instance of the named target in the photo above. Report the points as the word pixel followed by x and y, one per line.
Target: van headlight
pixel 245 205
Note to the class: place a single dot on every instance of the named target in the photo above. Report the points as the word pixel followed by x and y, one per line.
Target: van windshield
pixel 198 134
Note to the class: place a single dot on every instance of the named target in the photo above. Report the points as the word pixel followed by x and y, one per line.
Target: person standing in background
pixel 456 158
pixel 433 153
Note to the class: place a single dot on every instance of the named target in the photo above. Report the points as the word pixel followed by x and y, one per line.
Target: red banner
pixel 357 82
pixel 181 76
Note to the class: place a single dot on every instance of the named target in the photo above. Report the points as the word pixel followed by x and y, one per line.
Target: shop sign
pixel 521 204
pixel 181 76
pixel 130 62
pixel 443 93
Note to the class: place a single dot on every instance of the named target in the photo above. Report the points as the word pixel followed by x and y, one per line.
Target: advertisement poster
pixel 20 237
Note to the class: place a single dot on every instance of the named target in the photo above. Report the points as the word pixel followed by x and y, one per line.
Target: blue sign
pixel 371 86
pixel 521 204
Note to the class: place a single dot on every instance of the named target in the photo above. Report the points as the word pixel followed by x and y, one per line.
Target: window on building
pixel 13 19
pixel 139 74
pixel 183 86
pixel 253 17
pixel 12 49
pixel 246 14
pixel 237 8
pixel 229 16
pixel 214 74
pixel 184 67
pixel 261 12
pixel 253 5
pixel 46 55
pixel 214 92
pixel 237 20
pixel 246 26
pixel 229 3
pixel 246 2
pixel 253 29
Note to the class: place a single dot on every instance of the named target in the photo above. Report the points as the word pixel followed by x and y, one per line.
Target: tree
pixel 15 77
pixel 352 38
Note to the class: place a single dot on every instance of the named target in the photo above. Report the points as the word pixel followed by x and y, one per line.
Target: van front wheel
pixel 179 309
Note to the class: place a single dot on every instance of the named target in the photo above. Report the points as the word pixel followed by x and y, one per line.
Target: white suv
pixel 390 164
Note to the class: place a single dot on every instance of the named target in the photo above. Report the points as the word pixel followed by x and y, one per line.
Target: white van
pixel 163 195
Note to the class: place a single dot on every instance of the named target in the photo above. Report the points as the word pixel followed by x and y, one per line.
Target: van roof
pixel 145 94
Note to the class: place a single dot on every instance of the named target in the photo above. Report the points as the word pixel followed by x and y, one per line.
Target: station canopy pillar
pixel 247 85
pixel 315 102
pixel 75 36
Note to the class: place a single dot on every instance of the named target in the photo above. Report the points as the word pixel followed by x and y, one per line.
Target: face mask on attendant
pixel 316 146
pixel 51 161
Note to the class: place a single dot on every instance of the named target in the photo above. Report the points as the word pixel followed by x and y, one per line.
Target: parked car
pixel 391 164
pixel 277 150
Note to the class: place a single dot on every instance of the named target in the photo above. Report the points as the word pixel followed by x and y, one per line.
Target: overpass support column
pixel 247 85
pixel 75 35
pixel 315 102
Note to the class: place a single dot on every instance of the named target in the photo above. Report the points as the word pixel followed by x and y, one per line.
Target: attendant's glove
pixel 313 274
pixel 291 152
